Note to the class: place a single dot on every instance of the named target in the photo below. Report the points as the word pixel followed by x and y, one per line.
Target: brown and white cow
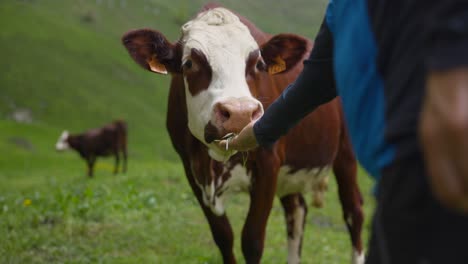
pixel 110 139
pixel 220 83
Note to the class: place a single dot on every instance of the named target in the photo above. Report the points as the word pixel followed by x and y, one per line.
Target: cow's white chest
pixel 239 181
pixel 302 181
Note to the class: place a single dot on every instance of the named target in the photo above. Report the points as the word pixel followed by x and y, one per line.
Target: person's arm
pixel 314 86
pixel 444 117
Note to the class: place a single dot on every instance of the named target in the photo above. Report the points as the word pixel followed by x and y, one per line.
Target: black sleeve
pixel 314 86
pixel 449 37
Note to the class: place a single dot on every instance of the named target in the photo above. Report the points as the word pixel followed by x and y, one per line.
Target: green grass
pixel 63 61
pixel 146 216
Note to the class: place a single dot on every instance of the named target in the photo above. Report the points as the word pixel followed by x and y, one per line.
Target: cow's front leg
pixel 90 162
pixel 261 201
pixel 220 227
pixel 222 233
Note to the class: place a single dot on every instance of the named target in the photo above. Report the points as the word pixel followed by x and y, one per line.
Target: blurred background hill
pixel 62 65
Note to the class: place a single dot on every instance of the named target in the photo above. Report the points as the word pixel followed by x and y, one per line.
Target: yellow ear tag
pixel 156 66
pixel 278 67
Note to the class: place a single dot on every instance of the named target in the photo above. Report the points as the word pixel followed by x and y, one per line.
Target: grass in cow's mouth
pixel 228 137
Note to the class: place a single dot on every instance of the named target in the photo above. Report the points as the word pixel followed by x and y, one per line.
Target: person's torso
pixel 378 58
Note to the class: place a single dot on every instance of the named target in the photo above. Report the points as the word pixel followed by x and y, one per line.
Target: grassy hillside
pixel 62 63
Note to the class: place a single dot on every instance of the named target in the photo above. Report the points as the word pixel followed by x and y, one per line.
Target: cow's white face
pixel 216 48
pixel 215 56
pixel 62 143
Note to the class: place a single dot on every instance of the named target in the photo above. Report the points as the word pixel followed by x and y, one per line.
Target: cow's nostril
pixel 225 114
pixel 222 112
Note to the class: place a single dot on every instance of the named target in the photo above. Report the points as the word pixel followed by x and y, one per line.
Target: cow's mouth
pixel 212 133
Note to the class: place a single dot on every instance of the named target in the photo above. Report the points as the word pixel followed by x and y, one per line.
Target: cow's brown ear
pixel 152 50
pixel 282 52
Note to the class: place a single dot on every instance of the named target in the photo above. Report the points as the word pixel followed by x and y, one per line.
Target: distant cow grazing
pixel 108 140
pixel 220 65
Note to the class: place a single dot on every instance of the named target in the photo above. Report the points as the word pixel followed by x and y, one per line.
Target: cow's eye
pixel 187 65
pixel 261 65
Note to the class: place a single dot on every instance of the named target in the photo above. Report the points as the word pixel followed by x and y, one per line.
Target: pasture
pixel 63 64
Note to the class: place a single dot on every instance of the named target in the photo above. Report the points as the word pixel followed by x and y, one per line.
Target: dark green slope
pixel 63 61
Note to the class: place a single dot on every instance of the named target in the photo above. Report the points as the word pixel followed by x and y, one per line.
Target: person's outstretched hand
pixel 444 135
pixel 244 141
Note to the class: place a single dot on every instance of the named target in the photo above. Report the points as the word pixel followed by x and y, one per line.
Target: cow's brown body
pixel 110 139
pixel 318 142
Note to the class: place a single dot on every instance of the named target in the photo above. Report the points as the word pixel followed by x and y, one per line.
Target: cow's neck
pixel 74 141
pixel 177 119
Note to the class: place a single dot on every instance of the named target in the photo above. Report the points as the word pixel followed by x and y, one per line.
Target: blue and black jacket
pixel 375 55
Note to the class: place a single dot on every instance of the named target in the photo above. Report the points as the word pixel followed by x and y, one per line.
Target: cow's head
pixel 219 60
pixel 62 142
